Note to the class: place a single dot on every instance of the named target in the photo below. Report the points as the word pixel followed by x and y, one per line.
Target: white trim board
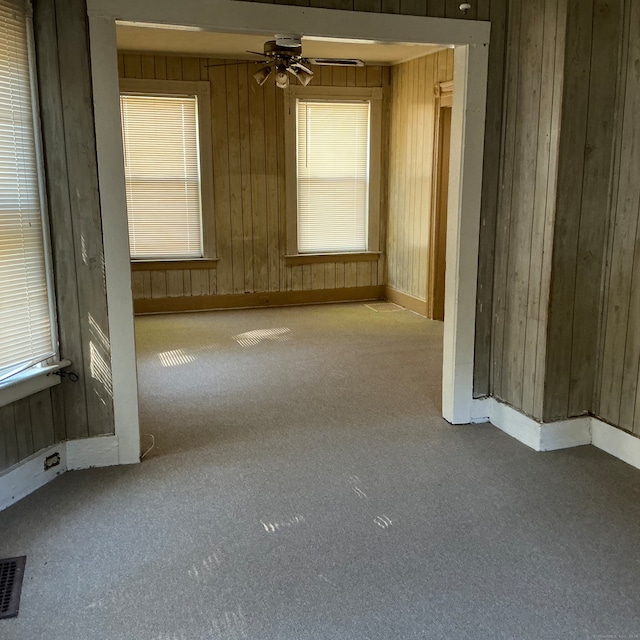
pixel 28 475
pixel 550 436
pixel 471 42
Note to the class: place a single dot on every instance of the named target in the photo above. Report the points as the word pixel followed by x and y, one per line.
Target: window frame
pixel 37 377
pixel 200 89
pixel 333 94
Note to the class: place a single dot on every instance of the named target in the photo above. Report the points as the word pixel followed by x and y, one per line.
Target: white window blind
pixel 162 172
pixel 25 310
pixel 333 175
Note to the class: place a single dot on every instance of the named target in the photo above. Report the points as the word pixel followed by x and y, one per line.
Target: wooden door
pixel 438 235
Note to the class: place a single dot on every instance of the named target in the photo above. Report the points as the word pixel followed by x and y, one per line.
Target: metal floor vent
pixel 11 573
pixel 384 307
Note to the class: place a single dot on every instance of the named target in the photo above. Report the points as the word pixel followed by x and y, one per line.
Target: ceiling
pixel 235 46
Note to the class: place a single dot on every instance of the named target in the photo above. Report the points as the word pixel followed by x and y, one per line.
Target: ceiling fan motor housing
pixel 272 48
pixel 289 41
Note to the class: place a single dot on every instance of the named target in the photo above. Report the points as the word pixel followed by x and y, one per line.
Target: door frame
pixel 470 40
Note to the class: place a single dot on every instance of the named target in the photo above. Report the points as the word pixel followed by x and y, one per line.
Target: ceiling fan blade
pixel 336 62
pixel 230 64
pixel 255 53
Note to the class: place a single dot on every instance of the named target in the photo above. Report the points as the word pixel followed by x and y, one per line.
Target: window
pixel 333 179
pixel 27 326
pixel 166 140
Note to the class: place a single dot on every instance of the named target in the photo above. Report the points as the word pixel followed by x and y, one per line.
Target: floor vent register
pixel 11 573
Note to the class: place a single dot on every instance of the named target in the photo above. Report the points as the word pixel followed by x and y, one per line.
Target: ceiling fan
pixel 284 56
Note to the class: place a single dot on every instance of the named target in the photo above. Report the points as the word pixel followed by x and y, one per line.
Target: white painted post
pixel 463 229
pixel 113 204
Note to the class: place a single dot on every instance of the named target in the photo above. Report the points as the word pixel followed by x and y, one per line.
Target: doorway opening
pixel 470 40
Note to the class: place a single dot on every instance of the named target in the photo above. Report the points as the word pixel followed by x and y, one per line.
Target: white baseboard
pixel 616 442
pixel 28 475
pixel 550 436
pixel 92 452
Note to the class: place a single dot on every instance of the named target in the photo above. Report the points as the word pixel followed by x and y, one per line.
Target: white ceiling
pixel 235 46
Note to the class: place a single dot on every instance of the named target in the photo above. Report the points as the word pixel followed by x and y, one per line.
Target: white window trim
pixel 201 89
pixel 374 95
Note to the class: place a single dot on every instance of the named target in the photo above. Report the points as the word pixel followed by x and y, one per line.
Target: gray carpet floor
pixel 303 486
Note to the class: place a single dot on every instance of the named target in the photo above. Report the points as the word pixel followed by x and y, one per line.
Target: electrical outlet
pixel 52 461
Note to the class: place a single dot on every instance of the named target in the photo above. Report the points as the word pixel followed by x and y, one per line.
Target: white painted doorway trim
pixel 471 57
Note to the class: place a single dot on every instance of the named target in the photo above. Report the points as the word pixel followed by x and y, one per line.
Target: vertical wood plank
pixel 132 65
pixel 24 437
pixel 258 169
pixel 8 440
pixel 148 64
pixel 158 284
pixel 174 68
pixel 41 413
pixel 245 178
pixel 235 178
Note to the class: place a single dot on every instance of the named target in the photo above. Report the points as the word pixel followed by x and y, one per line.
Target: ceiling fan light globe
pixel 282 79
pixel 261 75
pixel 303 75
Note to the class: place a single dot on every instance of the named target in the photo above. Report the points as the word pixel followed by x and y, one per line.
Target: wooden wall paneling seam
pixel 507 154
pixel 79 135
pixel 595 200
pixel 490 194
pixel 74 418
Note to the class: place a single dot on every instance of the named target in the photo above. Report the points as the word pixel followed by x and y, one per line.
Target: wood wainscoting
pixel 253 300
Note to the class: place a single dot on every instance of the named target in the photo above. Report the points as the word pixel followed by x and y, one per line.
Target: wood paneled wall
pixel 249 184
pixel 617 393
pixel 85 408
pixel 411 138
pixel 435 8
pixel 526 203
pixel 555 166
pixel 582 200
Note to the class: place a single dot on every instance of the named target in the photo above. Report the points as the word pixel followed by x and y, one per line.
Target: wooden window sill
pixel 318 258
pixel 165 265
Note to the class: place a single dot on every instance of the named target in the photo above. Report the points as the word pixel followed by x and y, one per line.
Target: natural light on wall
pixel 162 172
pixel 25 308
pixel 333 175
